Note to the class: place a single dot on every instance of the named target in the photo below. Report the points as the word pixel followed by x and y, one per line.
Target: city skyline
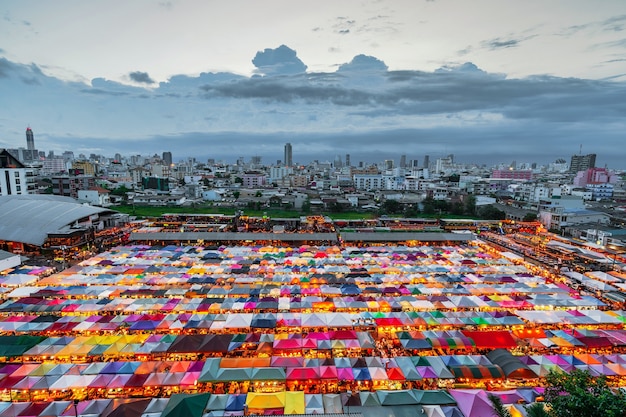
pixel 373 81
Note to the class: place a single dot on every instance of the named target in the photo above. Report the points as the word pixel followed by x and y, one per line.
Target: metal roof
pixel 29 218
pixel 299 237
pixel 404 236
pixel 233 236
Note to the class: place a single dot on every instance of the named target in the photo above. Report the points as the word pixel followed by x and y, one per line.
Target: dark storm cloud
pixel 279 61
pixel 446 91
pixel 274 90
pixel 30 74
pixel 362 109
pixel 141 77
pixel 6 67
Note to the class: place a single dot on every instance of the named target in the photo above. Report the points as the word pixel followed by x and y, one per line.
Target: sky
pixel 489 81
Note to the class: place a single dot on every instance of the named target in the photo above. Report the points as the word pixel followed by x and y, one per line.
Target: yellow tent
pixel 294 402
pixel 265 400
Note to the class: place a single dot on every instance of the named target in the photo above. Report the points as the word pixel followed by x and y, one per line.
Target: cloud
pixel 614 24
pixel 499 43
pixel 362 108
pixel 141 77
pixel 363 63
pixel 6 67
pixel 279 61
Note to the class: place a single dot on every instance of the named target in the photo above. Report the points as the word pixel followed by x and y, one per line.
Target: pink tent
pixel 473 402
pixel 345 373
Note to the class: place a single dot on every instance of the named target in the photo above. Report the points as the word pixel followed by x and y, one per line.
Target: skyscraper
pixel 582 162
pixel 167 158
pixel 348 160
pixel 288 159
pixel 30 139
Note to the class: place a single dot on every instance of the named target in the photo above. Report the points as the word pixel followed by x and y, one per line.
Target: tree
pixel 428 205
pixel 412 210
pixel 530 217
pixel 579 394
pixel 491 213
pixel 470 205
pixel 536 410
pixel 236 195
pixel 391 207
pixel 457 208
pixel 498 407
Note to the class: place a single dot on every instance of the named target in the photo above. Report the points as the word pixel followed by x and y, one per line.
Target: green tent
pixel 186 405
pixel 434 397
pixel 397 397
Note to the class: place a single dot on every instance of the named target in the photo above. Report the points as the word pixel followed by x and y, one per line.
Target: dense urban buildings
pixel 258 314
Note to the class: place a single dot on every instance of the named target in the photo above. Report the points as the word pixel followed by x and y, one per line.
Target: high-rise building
pixel 348 160
pixel 402 161
pixel 426 161
pixel 582 162
pixel 30 139
pixel 167 158
pixel 288 159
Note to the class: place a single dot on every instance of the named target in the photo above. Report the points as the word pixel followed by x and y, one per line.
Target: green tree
pixel 429 205
pixel 238 180
pixel 530 217
pixel 412 210
pixel 536 410
pixel 236 195
pixel 470 205
pixel 579 394
pixel 391 207
pixel 457 208
pixel 491 213
pixel 336 207
pixel 122 191
pixel 498 407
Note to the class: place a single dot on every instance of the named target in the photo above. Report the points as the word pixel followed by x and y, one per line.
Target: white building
pixel 96 196
pixel 369 182
pixel 277 173
pixel 15 178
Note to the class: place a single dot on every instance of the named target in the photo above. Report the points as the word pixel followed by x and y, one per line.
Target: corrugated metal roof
pixel 404 236
pixel 29 218
pixel 233 236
